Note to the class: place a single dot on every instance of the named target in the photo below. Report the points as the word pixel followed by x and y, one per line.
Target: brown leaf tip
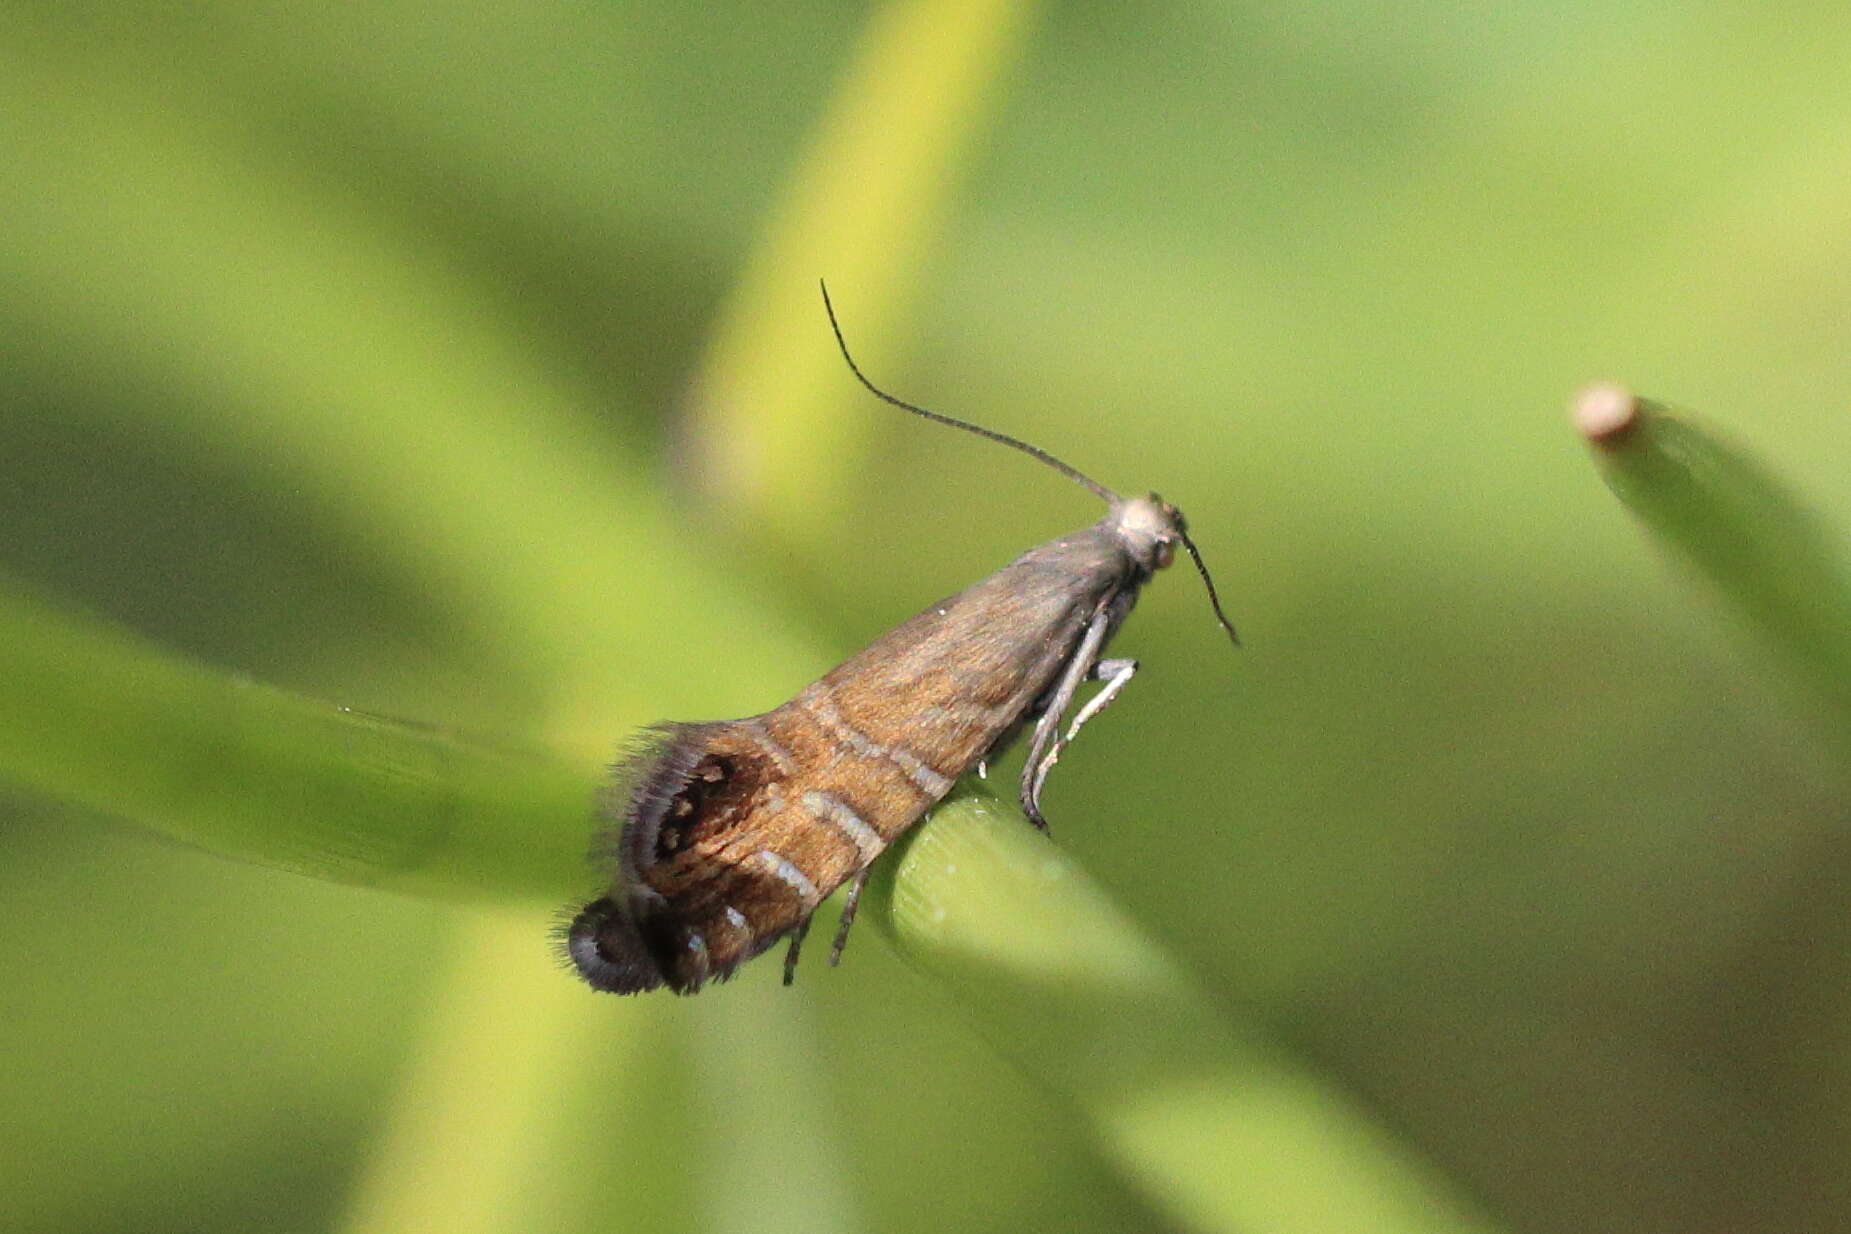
pixel 1604 411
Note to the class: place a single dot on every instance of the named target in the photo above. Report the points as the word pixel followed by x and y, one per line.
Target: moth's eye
pixel 1166 553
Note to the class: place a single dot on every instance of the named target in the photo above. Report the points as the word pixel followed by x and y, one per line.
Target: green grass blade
pixel 97 717
pixel 776 423
pixel 1721 511
pixel 1220 1126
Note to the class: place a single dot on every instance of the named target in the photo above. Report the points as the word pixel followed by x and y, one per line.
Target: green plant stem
pixel 1721 511
pixel 1214 1122
pixel 97 717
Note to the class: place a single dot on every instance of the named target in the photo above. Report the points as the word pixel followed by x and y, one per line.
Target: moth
pixel 733 831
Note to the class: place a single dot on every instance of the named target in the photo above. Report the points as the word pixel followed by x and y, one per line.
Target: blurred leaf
pixel 861 207
pixel 341 360
pixel 250 772
pixel 1744 531
pixel 1224 1129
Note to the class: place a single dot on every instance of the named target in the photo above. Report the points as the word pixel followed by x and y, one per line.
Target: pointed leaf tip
pixel 1603 411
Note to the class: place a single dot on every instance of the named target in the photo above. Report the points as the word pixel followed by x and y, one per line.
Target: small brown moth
pixel 734 831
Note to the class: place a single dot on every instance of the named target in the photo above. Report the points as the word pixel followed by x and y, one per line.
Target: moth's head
pixel 1150 529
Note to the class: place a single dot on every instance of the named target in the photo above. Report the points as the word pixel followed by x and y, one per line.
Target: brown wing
pixel 736 830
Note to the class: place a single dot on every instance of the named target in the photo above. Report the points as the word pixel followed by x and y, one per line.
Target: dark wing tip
pixel 608 951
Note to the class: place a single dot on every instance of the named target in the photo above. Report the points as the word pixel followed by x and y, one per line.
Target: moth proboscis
pixel 732 832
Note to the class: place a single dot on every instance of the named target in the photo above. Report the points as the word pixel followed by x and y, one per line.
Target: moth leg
pixel 1115 673
pixel 1044 747
pixel 790 957
pixel 1047 729
pixel 849 904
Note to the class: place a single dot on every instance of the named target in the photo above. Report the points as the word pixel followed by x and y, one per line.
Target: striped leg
pixel 849 904
pixel 790 957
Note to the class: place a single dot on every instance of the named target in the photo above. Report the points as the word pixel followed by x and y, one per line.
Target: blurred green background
pixel 355 349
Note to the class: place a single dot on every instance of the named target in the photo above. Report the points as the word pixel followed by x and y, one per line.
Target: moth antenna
pixel 1072 473
pixel 1214 599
